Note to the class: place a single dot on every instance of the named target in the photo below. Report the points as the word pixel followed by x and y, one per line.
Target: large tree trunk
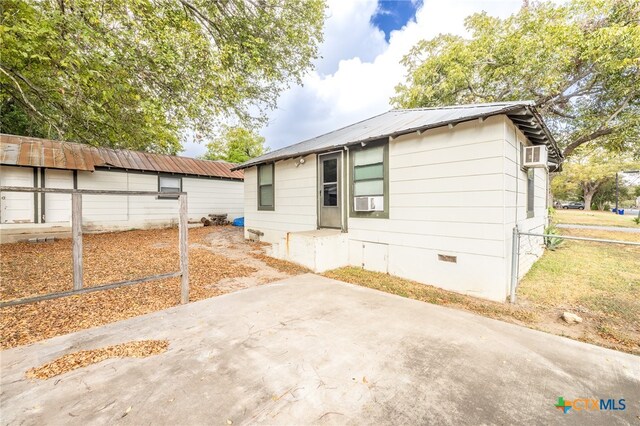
pixel 588 196
pixel 589 190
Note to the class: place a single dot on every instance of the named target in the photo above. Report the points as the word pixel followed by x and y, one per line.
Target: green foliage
pixel 236 145
pixel 552 243
pixel 577 60
pixel 636 220
pixel 139 73
pixel 590 175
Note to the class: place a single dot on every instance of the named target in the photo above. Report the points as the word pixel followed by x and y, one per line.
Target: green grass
pixel 581 217
pixel 599 282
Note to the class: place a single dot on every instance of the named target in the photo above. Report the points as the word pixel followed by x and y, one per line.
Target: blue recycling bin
pixel 238 221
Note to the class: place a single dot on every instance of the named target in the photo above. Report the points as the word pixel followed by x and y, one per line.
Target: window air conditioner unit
pixel 368 204
pixel 535 156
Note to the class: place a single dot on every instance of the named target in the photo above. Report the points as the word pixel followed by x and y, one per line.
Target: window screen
pixel 169 185
pixel 530 191
pixel 368 172
pixel 265 187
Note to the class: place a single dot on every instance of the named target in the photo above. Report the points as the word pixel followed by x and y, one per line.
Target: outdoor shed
pixel 429 194
pixel 211 187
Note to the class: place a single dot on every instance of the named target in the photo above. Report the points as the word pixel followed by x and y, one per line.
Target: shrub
pixel 552 243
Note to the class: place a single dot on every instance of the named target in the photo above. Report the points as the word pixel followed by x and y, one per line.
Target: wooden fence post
pixel 184 249
pixel 76 232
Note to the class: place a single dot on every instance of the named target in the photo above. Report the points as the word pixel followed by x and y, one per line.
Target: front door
pixel 329 182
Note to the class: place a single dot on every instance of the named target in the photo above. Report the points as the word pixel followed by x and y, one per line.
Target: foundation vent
pixel 447 258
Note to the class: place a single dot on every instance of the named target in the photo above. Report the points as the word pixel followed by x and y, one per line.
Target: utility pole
pixel 617 192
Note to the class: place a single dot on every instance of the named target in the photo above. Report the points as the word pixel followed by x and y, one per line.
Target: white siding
pixel 204 196
pixel 446 197
pixel 57 207
pixel 452 192
pixel 515 178
pixel 16 207
pixel 295 200
pixel 209 196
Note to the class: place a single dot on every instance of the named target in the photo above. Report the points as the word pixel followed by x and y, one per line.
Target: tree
pixel 236 145
pixel 589 174
pixel 139 73
pixel 578 61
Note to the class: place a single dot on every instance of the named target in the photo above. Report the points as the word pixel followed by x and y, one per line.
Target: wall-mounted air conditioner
pixel 535 156
pixel 368 204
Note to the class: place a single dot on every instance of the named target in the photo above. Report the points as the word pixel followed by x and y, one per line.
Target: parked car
pixel 577 205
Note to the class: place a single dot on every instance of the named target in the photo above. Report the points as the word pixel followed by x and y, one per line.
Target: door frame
pixel 341 189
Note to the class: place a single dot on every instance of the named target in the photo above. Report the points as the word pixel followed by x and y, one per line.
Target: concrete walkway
pixel 599 228
pixel 313 350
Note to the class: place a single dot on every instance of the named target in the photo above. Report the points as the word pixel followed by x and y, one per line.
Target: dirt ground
pixel 220 261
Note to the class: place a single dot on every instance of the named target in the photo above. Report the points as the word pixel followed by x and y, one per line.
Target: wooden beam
pixel 76 235
pixel 82 191
pixel 184 248
pixel 67 293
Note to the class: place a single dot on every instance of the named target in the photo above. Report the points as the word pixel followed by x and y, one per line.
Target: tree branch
pixel 29 104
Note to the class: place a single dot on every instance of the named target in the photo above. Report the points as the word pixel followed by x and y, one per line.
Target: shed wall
pixel 111 212
pixel 16 207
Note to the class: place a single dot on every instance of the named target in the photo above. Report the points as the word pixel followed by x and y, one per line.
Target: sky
pixel 359 64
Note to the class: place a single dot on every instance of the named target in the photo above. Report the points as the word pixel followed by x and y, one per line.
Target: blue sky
pixel 359 64
pixel 392 15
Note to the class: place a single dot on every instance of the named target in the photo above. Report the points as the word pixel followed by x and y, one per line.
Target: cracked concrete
pixel 312 350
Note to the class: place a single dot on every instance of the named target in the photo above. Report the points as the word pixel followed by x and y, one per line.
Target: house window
pixel 169 186
pixel 369 177
pixel 530 191
pixel 265 187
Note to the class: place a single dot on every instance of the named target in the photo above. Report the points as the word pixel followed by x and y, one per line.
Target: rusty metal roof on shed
pixel 399 122
pixel 35 152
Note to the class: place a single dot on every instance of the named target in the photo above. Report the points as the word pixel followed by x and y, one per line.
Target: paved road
pixel 600 228
pixel 312 350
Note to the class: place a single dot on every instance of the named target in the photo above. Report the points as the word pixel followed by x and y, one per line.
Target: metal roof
pixel 403 121
pixel 35 152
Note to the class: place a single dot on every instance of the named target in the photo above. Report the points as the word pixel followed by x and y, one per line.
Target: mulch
pixel 79 359
pixel 29 269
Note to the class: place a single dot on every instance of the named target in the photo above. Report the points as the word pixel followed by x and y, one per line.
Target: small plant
pixel 636 220
pixel 552 243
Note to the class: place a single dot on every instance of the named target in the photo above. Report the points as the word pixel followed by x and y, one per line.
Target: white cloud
pixel 358 72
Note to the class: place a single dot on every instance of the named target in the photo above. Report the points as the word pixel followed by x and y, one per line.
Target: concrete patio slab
pixel 313 350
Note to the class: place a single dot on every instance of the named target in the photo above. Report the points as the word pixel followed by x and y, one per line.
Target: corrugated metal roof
pixel 402 121
pixel 35 152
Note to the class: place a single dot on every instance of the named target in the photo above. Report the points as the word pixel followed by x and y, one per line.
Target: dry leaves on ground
pixel 31 269
pixel 75 360
pixel 280 265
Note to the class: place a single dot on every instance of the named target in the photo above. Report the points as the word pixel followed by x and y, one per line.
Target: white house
pixel 427 194
pixel 211 187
